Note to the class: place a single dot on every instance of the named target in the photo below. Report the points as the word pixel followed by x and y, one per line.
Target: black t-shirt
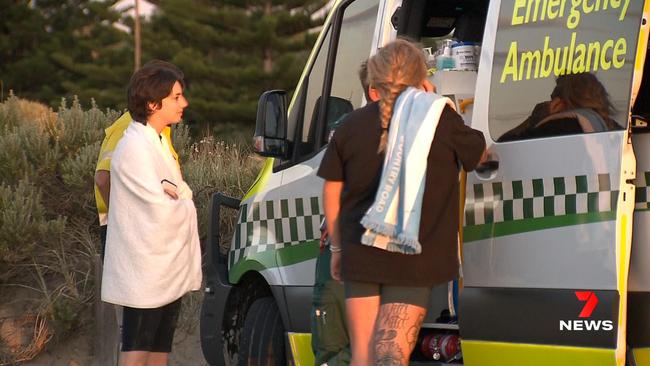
pixel 352 157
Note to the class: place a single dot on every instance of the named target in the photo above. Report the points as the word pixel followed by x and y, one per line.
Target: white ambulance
pixel 555 227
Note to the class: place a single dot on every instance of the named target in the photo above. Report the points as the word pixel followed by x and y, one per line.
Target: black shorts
pixel 150 330
pixel 389 294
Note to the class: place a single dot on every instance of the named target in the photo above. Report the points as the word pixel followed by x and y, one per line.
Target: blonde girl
pixel 387 293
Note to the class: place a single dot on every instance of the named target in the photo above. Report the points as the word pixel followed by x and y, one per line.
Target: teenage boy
pixel 153 255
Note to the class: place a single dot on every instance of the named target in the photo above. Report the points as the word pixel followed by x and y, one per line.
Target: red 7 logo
pixel 592 301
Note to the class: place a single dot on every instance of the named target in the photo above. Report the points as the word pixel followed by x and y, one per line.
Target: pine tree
pixel 231 51
pixel 25 67
pixel 52 49
pixel 94 57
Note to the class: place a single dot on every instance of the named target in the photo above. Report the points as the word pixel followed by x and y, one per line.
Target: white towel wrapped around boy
pixel 152 246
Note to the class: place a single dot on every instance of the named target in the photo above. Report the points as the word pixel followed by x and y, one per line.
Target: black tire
pixel 262 339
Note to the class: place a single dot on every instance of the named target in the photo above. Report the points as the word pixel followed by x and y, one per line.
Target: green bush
pixel 77 176
pixel 76 128
pixel 47 203
pixel 26 154
pixel 15 112
pixel 23 226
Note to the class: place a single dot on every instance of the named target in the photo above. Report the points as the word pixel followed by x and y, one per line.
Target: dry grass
pixel 22 338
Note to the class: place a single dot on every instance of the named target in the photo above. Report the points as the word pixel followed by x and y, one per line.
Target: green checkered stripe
pixel 642 191
pixel 536 198
pixel 271 225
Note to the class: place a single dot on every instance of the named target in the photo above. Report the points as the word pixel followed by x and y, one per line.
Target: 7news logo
pixel 584 324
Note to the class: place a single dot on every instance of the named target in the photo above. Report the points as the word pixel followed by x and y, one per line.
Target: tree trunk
pixel 137 35
pixel 268 55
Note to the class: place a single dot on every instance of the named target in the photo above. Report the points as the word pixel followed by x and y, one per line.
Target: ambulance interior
pixel 450 33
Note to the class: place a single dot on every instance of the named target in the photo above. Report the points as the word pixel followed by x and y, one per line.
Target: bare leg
pixel 361 313
pixel 396 333
pixel 134 358
pixel 157 359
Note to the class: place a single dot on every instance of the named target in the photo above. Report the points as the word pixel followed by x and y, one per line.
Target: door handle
pixel 487 166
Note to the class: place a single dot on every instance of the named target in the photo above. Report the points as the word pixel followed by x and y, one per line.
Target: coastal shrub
pixel 24 224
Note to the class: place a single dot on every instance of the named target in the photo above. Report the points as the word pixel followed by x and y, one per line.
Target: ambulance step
pixel 440 326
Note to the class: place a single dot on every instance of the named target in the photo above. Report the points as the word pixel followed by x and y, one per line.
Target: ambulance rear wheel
pixel 262 338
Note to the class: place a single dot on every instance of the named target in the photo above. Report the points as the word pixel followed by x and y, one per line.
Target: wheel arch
pixel 251 286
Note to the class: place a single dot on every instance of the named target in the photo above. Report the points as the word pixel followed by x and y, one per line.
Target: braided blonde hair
pixel 395 67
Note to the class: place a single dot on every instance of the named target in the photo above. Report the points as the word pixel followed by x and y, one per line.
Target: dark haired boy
pixel 152 246
pixel 113 134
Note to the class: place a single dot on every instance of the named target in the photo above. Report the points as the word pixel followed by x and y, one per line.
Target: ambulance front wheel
pixel 262 338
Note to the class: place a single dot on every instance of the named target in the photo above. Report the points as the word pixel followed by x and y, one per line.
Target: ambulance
pixel 555 226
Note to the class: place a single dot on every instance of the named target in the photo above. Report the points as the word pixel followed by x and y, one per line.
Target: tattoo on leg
pixel 393 321
pixel 384 335
pixel 393 328
pixel 388 354
pixel 412 332
pixel 395 317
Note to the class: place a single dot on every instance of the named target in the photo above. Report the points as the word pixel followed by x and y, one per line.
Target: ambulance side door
pixel 297 208
pixel 547 221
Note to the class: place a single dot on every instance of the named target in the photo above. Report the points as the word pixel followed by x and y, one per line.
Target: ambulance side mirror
pixel 270 137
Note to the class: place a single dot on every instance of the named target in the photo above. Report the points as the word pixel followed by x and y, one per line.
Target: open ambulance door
pixel 639 282
pixel 548 220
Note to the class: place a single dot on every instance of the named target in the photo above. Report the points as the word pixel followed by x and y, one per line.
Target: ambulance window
pixel 354 47
pixel 562 69
pixel 346 94
pixel 314 89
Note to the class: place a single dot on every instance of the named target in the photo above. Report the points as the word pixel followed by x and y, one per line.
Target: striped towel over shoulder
pixel 393 221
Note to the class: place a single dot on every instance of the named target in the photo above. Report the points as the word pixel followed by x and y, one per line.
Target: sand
pixel 78 350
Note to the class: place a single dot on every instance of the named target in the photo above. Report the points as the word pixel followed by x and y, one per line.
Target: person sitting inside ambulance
pixel 579 104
